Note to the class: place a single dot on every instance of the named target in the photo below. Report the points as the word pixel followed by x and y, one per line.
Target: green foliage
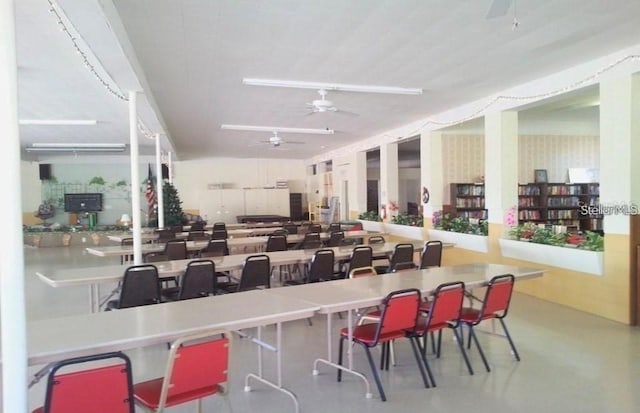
pixel 173 214
pixel 369 216
pixel 591 241
pixel 411 220
pixel 97 180
pixel 460 224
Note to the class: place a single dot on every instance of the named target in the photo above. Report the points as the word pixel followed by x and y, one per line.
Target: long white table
pixel 237 238
pixel 94 276
pixel 352 294
pixel 56 339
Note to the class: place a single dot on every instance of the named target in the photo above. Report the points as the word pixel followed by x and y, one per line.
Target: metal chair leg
pixel 477 343
pixel 375 374
pixel 423 349
pixel 506 332
pixel 462 350
pixel 415 345
pixel 340 348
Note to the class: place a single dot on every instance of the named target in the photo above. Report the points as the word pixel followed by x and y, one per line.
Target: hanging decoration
pixel 425 195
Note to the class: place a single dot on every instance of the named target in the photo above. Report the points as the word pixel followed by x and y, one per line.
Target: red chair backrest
pixel 446 305
pixel 102 389
pixel 498 296
pixel 199 366
pixel 400 311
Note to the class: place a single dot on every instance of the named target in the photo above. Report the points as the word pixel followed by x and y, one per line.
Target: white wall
pixel 30 181
pixel 75 178
pixel 194 180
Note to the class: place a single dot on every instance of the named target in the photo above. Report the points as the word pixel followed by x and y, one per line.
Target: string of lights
pixel 53 8
pixel 388 138
pixel 114 90
pixel 572 86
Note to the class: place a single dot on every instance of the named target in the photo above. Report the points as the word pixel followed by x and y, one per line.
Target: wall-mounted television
pixel 82 202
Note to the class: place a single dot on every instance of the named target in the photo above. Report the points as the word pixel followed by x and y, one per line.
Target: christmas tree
pixel 173 214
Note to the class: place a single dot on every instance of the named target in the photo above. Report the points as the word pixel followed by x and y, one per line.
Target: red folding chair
pixel 197 367
pixel 399 315
pixel 107 389
pixel 495 306
pixel 444 312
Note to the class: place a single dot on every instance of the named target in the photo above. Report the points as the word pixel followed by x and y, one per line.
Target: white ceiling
pixel 190 57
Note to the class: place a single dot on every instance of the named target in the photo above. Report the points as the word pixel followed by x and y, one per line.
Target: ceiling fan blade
pixel 346 113
pixel 294 142
pixel 498 8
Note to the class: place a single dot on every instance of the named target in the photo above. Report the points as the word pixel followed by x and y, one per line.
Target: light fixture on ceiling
pixel 332 86
pixel 277 129
pixel 58 122
pixel 76 147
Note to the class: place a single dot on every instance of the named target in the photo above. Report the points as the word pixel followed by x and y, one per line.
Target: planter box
pixel 591 262
pixel 405 231
pixel 478 243
pixel 372 225
pixel 66 239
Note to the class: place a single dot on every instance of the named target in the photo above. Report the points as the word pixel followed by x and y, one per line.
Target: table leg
pixel 259 377
pixel 328 361
pixel 94 297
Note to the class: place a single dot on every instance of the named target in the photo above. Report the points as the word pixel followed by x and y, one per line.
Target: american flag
pixel 150 193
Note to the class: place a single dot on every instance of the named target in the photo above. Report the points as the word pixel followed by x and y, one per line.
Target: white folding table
pixel 351 294
pixel 60 338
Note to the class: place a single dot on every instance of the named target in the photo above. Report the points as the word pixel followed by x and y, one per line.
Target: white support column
pixel 431 172
pixel 619 148
pixel 501 164
pixel 159 182
pixel 12 309
pixel 170 165
pixel 359 187
pixel 135 179
pixel 389 176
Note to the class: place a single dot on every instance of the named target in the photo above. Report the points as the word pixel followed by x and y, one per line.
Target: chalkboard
pixel 82 202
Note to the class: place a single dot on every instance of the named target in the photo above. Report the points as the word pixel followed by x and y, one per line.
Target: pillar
pixel 389 177
pixel 431 174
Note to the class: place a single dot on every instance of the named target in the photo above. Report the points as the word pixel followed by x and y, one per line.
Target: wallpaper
pixel 463 160
pixel 556 154
pixel 464 157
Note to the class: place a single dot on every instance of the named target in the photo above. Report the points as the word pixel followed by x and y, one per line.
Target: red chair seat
pixel 366 334
pixel 148 393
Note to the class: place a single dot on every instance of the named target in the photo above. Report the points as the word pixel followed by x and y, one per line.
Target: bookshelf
pixel 559 204
pixel 467 200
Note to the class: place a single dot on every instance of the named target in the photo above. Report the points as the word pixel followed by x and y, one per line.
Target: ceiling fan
pixel 276 141
pixel 323 104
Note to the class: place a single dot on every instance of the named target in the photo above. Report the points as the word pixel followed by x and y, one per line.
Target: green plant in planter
pixel 459 224
pixel 593 242
pixel 405 219
pixel 369 216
